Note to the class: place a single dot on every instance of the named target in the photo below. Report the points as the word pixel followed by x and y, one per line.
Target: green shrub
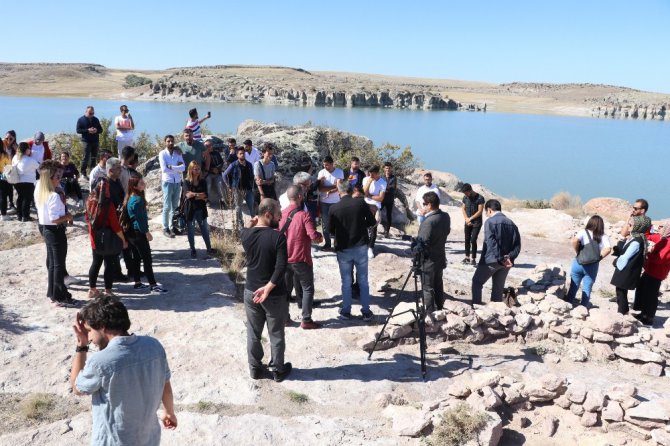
pixel 133 80
pixel 537 204
pixel 403 160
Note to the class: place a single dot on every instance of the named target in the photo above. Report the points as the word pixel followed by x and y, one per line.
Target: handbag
pixel 107 243
pixel 590 253
pixel 11 174
pixel 509 297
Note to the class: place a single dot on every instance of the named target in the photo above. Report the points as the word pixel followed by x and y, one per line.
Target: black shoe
pixel 259 373
pixel 122 278
pixel 193 254
pixel 167 233
pixel 281 376
pixel 212 251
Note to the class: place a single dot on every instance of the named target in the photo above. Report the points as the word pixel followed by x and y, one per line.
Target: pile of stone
pixel 577 333
pixel 618 408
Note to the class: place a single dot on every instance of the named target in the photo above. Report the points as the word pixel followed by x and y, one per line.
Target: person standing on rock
pixel 473 208
pixel 172 165
pixel 656 268
pixel 389 196
pixel 88 126
pixel 584 271
pixel 374 191
pixel 265 299
pixel 502 245
pixel 194 122
pixel 191 149
pixel 300 233
pixel 350 219
pixel 328 178
pixel 125 126
pixel 433 232
pixel 428 186
pixel 127 378
pixel 630 255
pixel 239 177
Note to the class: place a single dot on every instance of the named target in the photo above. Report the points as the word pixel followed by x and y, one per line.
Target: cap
pixel 247 142
pixel 39 137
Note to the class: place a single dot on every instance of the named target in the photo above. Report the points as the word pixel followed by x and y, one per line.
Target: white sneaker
pixel 2 218
pixel 371 254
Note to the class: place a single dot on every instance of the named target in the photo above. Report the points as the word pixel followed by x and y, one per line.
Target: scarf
pixel 666 229
pixel 641 224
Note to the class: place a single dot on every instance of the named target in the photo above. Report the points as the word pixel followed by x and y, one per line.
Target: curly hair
pixel 106 312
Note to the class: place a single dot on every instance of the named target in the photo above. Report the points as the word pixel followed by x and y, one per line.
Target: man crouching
pixel 127 379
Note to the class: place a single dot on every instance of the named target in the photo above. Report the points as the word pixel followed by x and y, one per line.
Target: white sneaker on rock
pixel 371 253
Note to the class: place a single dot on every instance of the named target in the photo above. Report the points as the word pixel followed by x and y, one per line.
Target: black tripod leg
pixel 395 304
pixel 421 321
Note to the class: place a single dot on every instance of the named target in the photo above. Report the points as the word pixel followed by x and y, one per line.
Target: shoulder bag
pixel 590 253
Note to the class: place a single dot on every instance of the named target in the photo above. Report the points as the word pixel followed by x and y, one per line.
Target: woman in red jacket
pixel 656 268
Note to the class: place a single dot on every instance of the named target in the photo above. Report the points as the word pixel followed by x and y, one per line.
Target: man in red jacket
pixel 656 268
pixel 40 147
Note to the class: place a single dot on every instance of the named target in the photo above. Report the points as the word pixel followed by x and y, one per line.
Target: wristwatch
pixel 81 348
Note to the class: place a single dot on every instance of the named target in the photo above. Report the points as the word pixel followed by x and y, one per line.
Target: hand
pixel 149 236
pixel 507 262
pixel 169 420
pixel 80 330
pixel 318 240
pixel 209 114
pixel 125 244
pixel 253 222
pixel 260 295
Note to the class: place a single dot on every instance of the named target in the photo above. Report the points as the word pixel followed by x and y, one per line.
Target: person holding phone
pixel 193 123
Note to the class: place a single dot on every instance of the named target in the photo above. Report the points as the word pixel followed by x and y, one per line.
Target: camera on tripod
pixel 418 248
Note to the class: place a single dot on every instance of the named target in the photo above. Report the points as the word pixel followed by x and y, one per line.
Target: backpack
pixel 96 202
pixel 509 297
pixel 125 221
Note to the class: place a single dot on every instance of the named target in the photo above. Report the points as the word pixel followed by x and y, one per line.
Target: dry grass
pixel 38 406
pixel 8 243
pixel 571 205
pixel 230 253
pixel 458 426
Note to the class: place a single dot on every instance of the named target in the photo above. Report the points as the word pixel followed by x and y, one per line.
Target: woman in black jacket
pixel 630 258
pixel 195 207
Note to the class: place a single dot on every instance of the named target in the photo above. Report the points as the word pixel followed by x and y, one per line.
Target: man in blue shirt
pixel 127 378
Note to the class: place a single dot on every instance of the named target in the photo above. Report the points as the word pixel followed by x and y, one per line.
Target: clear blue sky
pixel 617 42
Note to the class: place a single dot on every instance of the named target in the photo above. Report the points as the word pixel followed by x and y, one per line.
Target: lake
pixel 525 156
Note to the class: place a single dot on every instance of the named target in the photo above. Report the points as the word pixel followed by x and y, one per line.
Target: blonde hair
pixel 189 173
pixel 45 188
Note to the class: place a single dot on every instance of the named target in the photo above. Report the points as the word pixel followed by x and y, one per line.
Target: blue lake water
pixel 526 156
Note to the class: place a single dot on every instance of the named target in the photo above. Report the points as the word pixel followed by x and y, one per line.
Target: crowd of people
pixel 349 204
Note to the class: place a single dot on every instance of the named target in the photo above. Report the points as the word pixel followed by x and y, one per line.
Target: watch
pixel 81 348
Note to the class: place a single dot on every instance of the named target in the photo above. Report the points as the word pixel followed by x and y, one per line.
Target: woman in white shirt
pixel 585 273
pixel 125 126
pixel 27 167
pixel 53 217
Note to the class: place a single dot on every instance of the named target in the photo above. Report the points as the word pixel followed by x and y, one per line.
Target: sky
pixel 617 42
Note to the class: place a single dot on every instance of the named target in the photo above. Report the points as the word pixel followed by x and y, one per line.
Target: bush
pixel 458 426
pixel 133 80
pixel 403 160
pixel 38 406
pixel 563 200
pixel 537 204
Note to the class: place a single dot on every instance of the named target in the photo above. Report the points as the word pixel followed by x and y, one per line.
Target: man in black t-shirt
pixel 265 297
pixel 473 207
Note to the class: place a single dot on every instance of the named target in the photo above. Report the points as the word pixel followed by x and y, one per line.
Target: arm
pixel 465 214
pixel 82 127
pixel 132 122
pixel 117 123
pixel 113 220
pixel 168 418
pixel 226 173
pixel 516 245
pixel 576 244
pixel 624 258
pixel 310 228
pixel 480 211
pixel 97 125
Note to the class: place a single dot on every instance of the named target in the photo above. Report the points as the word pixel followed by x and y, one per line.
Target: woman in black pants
pixel 139 236
pixel 53 217
pixel 105 218
pixel 630 255
pixel 27 167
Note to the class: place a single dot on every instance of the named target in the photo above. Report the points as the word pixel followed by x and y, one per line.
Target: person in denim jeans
pixel 128 378
pixel 239 177
pixel 349 221
pixel 171 164
pixel 195 207
pixel 586 274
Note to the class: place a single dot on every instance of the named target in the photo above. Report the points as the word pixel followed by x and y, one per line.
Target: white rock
pixel 579 312
pixel 613 412
pixel 484 379
pixel 586 333
pixel 577 409
pixel 460 388
pixel 553 382
pixel 661 437
pixel 530 309
pixel 611 322
pixel 620 391
pixel 523 320
pixel 578 353
pixel 652 369
pixel 457 307
pixel 602 337
pixel 594 401
pixel 650 410
pixel 454 324
pixel 627 340
pixel 589 419
pixel 396 332
pixel 638 354
pixel 576 392
pixel 563 402
pixel 407 421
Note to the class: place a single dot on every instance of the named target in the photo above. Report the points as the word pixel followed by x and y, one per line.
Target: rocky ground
pixel 285 85
pixel 335 394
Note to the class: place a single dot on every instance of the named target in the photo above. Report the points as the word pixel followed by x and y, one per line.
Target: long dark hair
pixel 133 190
pixel 597 226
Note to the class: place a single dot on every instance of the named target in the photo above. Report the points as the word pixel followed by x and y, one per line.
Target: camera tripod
pixel 419 313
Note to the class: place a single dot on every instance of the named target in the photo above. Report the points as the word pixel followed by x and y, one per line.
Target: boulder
pixel 652 369
pixel 579 312
pixel 397 332
pixel 638 354
pixel 576 393
pixel 407 420
pixel 537 394
pixel 595 398
pixel 530 309
pixel 589 419
pixel 523 320
pixel 613 412
pixel 621 391
pixel 553 383
pixel 457 307
pixel 491 433
pixel 586 333
pixel 602 337
pixel 578 353
pixel 661 437
pixel 563 402
pixel 612 208
pixel 460 387
pixel 627 340
pixel 484 379
pixel 611 323
pixel 650 410
pixel 454 324
pixel 514 394
pixel 577 409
